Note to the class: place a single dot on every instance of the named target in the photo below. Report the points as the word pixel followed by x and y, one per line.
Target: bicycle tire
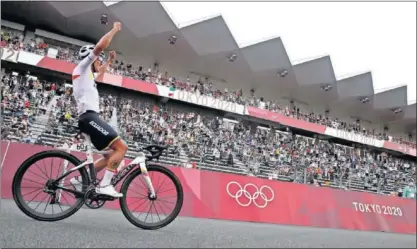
pixel 18 177
pixel 123 202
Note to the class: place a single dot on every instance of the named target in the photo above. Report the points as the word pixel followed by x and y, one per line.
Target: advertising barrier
pixel 401 148
pixel 233 197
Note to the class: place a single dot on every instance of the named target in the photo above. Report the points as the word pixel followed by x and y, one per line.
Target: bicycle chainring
pixel 92 200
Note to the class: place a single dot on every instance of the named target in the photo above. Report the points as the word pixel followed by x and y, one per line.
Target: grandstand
pixel 37 106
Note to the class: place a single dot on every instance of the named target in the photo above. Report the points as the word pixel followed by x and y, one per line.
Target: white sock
pixel 108 175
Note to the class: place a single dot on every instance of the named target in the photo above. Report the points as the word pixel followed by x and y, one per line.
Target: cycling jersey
pixel 84 87
pixel 86 95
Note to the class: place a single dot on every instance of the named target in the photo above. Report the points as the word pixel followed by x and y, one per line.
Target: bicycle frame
pixel 139 160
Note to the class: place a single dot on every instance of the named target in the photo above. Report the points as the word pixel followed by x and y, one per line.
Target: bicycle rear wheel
pixel 31 180
pixel 131 195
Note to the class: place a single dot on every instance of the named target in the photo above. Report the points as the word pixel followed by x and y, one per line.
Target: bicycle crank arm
pixel 105 198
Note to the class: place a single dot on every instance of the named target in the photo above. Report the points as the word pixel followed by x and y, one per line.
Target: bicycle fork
pixel 141 161
pixel 148 180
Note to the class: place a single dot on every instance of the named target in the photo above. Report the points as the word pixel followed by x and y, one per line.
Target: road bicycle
pixel 55 189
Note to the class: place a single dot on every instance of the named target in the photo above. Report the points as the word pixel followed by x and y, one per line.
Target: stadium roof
pixel 203 48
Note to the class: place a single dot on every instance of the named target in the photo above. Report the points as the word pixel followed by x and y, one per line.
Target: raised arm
pixel 106 39
pixel 103 68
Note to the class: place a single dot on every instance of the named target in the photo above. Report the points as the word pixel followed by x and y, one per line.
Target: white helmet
pixel 86 50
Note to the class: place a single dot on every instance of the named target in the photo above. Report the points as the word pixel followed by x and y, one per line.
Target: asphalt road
pixel 108 228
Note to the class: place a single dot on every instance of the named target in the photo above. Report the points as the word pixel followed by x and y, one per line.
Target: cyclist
pixel 102 135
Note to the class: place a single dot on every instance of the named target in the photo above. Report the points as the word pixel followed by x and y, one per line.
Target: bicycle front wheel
pixel 136 201
pixel 30 186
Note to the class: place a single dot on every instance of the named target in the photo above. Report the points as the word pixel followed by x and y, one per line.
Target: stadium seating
pixel 69 52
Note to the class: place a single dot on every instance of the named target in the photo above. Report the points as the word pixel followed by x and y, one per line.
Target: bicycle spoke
pixel 59 205
pixel 49 200
pixel 40 202
pixel 137 199
pixel 163 189
pixel 63 196
pixel 32 191
pixel 161 208
pixel 139 193
pixel 157 181
pixel 33 181
pixel 52 163
pixel 30 187
pixel 164 204
pixel 41 170
pixel 143 183
pixel 160 186
pixel 157 214
pixel 148 213
pixel 37 175
pixel 166 191
pixel 34 197
pixel 169 196
pixel 166 201
pixel 45 169
pixel 138 205
pixel 139 186
pixel 59 170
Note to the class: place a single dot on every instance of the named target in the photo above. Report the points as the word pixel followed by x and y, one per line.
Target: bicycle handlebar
pixel 155 150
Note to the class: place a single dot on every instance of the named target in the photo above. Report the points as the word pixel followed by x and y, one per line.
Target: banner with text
pixel 202 100
pixel 285 120
pixel 9 54
pixel 354 137
pixel 233 197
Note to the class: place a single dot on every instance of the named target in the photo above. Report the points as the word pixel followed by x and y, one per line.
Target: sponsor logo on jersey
pixel 99 128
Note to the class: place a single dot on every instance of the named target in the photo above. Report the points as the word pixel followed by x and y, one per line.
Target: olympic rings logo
pixel 252 198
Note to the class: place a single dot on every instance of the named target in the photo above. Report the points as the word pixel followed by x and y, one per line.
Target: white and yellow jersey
pixel 84 86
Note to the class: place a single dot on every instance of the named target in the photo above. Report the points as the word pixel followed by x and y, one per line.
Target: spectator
pixel 409 191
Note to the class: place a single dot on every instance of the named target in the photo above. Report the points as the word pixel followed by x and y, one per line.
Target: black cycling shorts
pixel 102 135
